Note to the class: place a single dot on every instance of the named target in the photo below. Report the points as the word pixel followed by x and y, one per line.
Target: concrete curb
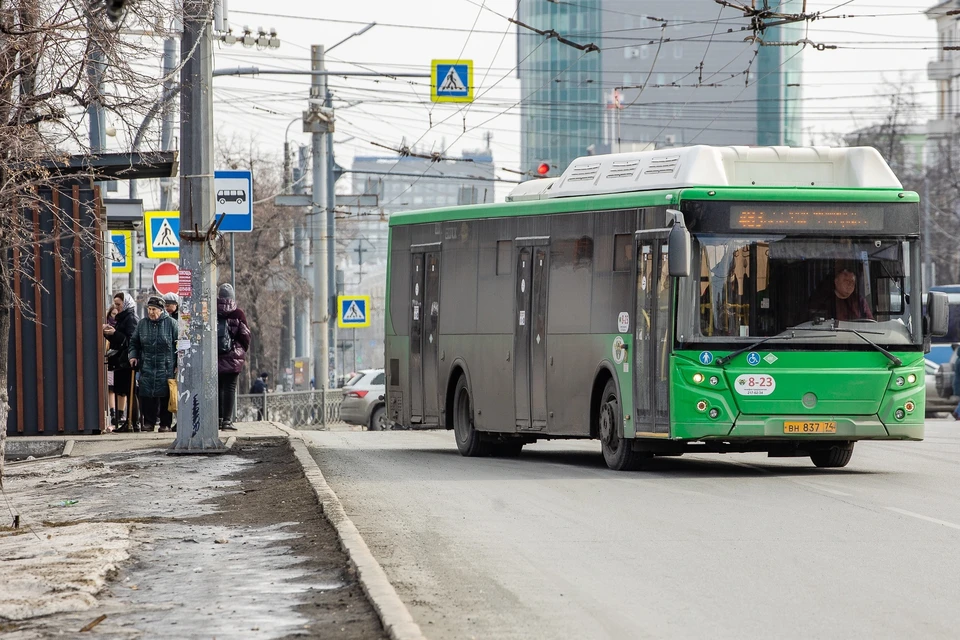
pixel 394 615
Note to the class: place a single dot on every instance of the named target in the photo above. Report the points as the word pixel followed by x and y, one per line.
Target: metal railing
pixel 318 408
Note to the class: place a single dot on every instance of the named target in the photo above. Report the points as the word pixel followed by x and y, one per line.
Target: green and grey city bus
pixel 669 301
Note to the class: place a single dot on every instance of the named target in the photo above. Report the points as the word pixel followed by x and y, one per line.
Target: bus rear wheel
pixel 834 456
pixel 469 441
pixel 617 452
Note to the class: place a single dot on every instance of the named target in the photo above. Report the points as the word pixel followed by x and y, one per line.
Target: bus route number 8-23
pixel 754 384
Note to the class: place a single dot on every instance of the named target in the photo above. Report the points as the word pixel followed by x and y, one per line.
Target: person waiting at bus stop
pixel 233 342
pixel 839 298
pixel 154 350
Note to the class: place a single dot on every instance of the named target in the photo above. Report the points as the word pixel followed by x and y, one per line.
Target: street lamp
pixel 353 35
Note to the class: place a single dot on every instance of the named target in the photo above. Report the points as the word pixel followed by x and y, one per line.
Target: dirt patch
pixel 231 546
pixel 273 489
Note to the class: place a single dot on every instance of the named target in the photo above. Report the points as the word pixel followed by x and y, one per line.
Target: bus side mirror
pixel 678 246
pixel 938 313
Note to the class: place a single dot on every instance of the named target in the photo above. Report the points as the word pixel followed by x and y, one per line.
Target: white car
pixel 363 400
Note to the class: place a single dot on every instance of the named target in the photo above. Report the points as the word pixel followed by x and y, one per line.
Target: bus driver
pixel 841 301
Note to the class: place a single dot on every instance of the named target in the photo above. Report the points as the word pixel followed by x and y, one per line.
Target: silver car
pixel 363 400
pixel 941 362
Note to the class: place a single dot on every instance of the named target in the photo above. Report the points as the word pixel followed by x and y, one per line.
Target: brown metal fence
pixel 56 380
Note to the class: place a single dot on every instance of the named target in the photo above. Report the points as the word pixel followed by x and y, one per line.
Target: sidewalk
pixel 142 544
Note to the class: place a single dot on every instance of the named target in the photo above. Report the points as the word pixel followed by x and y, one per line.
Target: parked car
pixel 363 400
pixel 939 365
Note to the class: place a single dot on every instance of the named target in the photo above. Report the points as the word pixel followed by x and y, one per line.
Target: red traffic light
pixel 543 169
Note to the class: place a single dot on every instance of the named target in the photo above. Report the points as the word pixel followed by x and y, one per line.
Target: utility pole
pixel 318 121
pixel 302 312
pixel 197 373
pixel 166 122
pixel 331 234
pixel 927 280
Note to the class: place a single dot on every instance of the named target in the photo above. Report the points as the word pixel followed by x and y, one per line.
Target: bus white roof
pixel 703 166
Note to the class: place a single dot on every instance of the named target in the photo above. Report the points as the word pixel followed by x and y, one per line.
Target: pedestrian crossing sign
pixel 451 81
pixel 163 234
pixel 121 251
pixel 353 312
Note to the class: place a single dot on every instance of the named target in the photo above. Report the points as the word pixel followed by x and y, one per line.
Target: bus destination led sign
pixel 811 216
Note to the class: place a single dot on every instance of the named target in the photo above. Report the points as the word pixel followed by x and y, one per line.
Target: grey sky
pixel 887 39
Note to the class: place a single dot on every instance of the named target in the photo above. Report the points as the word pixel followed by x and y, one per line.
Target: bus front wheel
pixel 617 451
pixel 835 456
pixel 469 440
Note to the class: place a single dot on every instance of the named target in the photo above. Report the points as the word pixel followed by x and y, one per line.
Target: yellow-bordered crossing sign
pixel 451 81
pixel 353 312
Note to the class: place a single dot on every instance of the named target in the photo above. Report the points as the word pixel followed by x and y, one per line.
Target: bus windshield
pixel 761 286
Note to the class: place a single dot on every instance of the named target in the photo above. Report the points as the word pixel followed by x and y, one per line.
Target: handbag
pixel 112 359
pixel 172 402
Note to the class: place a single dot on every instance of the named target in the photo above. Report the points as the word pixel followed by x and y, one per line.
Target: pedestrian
pixel 171 303
pixel 119 335
pixel 233 342
pixel 111 398
pixel 153 350
pixel 259 387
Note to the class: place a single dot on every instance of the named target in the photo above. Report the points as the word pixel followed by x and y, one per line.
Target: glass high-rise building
pixel 696 80
pixel 561 86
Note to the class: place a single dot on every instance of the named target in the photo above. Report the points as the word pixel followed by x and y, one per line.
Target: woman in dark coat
pixel 154 350
pixel 233 342
pixel 119 337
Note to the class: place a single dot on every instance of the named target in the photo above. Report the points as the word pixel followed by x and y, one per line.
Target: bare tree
pixel 57 59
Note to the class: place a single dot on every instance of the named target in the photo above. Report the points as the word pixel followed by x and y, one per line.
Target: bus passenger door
pixel 431 339
pixel 530 334
pixel 651 333
pixel 424 336
pixel 416 338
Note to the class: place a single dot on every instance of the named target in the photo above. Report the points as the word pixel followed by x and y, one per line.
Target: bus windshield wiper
pixel 730 356
pixel 894 359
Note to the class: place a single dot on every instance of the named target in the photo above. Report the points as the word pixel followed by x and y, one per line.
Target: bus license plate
pixel 810 427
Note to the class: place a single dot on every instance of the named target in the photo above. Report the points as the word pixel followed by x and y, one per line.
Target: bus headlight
pixel 698 377
pixel 899 381
pixel 909 406
pixel 912 378
pixel 702 406
pixel 714 380
pixel 714 412
pixel 899 414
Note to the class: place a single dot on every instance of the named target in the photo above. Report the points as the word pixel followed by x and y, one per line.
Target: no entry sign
pixel 166 278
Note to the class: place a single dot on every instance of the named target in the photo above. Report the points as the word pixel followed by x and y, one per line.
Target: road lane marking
pixel 923 517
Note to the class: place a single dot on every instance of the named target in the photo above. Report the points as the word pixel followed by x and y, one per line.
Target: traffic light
pixel 543 169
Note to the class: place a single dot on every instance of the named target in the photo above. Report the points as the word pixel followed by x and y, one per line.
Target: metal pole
pixel 197 372
pixel 331 242
pixel 166 122
pixel 291 302
pixel 927 280
pixel 233 261
pixel 317 223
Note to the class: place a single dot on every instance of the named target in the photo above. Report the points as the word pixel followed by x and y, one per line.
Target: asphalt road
pixel 554 545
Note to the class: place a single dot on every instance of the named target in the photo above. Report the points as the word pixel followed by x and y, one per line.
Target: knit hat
pixel 155 301
pixel 171 298
pixel 226 291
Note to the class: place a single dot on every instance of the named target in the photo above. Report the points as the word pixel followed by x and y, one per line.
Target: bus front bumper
pixel 748 427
